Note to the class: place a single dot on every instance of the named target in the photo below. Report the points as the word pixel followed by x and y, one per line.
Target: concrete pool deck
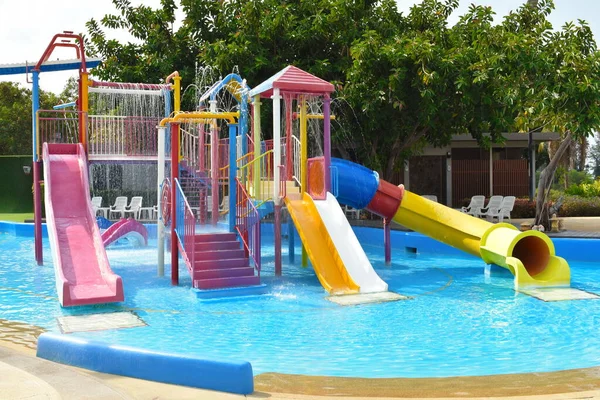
pixel 25 376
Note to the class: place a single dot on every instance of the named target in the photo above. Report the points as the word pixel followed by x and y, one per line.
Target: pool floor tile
pixel 366 298
pixel 559 294
pixel 99 322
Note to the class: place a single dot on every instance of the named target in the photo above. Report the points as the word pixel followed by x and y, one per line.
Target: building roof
pixel 48 66
pixel 292 79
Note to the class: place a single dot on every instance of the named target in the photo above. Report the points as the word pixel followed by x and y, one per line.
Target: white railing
pixel 110 135
pixel 189 148
pixel 297 156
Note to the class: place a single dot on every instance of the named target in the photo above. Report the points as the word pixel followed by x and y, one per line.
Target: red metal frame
pixel 65 38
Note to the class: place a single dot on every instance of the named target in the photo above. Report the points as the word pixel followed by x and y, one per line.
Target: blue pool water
pixel 457 322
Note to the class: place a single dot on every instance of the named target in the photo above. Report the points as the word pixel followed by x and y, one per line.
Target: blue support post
pixel 37 190
pixel 232 175
pixel 244 122
pixel 291 248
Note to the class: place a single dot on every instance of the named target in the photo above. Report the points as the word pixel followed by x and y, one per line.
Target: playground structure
pixel 243 177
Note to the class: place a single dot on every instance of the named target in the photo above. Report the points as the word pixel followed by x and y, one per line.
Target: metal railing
pixel 185 227
pixel 122 136
pixel 247 225
pixel 58 126
pixel 296 157
pixel 264 191
pixel 189 148
pixel 282 182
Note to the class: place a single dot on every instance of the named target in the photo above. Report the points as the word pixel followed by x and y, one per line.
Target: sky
pixel 27 27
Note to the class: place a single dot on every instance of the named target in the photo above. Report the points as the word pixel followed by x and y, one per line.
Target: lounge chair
pixel 119 207
pixel 351 213
pixel 475 205
pixel 224 207
pixel 492 206
pixel 504 210
pixel 135 206
pixel 97 206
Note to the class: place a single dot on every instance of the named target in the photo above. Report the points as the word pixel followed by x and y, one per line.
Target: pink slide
pixel 126 228
pixel 83 275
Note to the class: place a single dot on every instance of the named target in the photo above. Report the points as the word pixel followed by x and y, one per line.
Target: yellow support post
pixel 303 159
pixel 84 109
pixel 177 93
pixel 256 172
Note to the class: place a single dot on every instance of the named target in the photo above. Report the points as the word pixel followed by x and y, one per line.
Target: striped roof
pixel 292 79
pixel 48 66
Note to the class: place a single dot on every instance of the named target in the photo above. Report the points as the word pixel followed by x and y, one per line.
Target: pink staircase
pixel 219 263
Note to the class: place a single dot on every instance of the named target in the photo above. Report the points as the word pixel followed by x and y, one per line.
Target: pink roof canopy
pixel 292 79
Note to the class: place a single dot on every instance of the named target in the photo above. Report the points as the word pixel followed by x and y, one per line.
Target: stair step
pixel 226 254
pixel 209 246
pixel 221 264
pixel 216 237
pixel 223 273
pixel 226 282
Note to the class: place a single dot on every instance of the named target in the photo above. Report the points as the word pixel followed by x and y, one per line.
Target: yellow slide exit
pixel 529 255
pixel 322 253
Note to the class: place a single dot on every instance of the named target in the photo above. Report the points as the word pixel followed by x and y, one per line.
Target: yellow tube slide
pixel 323 254
pixel 529 255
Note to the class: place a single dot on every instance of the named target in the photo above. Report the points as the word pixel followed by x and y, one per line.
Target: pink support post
pixel 201 149
pixel 327 141
pixel 214 172
pixel 289 149
pixel 387 242
pixel 174 175
pixel 37 209
pixel 278 240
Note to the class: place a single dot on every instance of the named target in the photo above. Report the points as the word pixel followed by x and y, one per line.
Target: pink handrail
pixel 248 224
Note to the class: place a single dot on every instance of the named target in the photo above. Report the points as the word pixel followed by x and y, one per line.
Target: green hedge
pixel 16 194
pixel 577 206
pixel 588 190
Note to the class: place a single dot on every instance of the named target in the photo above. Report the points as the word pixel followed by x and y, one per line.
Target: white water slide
pixel 351 252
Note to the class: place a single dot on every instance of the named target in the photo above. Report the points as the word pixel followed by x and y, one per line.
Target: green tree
pixel 15 117
pixel 595 156
pixel 431 81
pixel 157 50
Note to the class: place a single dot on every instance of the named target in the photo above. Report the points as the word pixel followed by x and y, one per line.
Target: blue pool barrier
pixel 232 377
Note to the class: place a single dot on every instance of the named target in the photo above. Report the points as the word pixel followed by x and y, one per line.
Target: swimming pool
pixel 456 322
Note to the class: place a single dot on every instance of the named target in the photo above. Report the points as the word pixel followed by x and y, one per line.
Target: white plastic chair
pixel 351 212
pixel 97 206
pixel 224 207
pixel 135 206
pixel 508 203
pixel 492 206
pixel 475 205
pixel 119 207
pixel 431 197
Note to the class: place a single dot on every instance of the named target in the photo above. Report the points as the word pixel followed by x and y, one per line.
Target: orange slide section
pixel 320 248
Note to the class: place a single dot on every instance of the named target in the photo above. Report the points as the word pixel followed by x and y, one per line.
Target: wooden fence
pixel 472 177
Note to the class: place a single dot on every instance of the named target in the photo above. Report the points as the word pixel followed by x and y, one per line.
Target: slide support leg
pixel 387 243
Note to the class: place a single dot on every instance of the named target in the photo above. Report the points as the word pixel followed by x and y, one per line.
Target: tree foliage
pixel 412 79
pixel 15 117
pixel 595 156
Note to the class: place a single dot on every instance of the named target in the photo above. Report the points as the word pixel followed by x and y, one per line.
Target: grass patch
pixel 16 217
